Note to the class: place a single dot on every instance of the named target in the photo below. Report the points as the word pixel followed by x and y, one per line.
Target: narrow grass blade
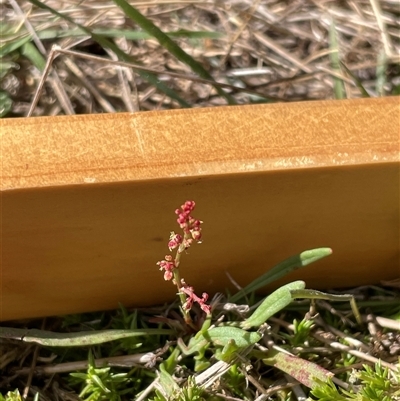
pixel 381 73
pixel 357 81
pixel 124 33
pixel 82 338
pixel 283 268
pixel 31 53
pixel 338 85
pixel 104 42
pixel 13 45
pixel 314 294
pixel 169 44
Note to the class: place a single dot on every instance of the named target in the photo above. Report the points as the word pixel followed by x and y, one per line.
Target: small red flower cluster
pixel 190 226
pixel 174 241
pixel 191 233
pixel 192 297
pixel 168 265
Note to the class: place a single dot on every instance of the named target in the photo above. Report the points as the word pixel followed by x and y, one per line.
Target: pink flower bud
pixel 174 241
pixel 196 235
pixel 168 265
pixel 188 206
pixel 168 275
pixel 192 297
pixel 187 242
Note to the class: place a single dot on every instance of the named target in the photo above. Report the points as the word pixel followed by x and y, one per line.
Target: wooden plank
pixel 88 201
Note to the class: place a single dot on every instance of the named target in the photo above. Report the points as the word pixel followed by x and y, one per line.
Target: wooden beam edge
pixel 85 149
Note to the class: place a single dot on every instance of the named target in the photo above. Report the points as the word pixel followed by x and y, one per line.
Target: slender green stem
pixel 314 294
pixel 178 283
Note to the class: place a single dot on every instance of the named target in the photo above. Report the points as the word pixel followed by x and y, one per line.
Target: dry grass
pixel 281 50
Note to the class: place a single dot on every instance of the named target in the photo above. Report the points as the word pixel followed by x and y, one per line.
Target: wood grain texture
pixel 88 201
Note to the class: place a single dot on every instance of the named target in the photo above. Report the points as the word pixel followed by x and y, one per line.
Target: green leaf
pixel 5 104
pixel 293 263
pixel 82 338
pixel 14 45
pixel 11 396
pixel 272 304
pixel 30 52
pixel 167 382
pixel 304 371
pixel 224 335
pixel 6 67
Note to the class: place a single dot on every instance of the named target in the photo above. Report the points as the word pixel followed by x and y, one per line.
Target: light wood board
pixel 88 201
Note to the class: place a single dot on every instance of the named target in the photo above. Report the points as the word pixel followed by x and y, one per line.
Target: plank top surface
pixel 88 201
pixel 49 151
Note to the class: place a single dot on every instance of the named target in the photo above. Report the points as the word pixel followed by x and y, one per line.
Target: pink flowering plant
pixel 228 339
pixel 191 233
